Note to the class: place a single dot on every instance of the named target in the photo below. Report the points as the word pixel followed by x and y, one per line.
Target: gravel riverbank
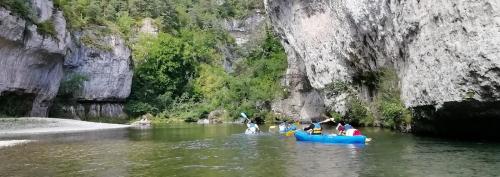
pixel 12 127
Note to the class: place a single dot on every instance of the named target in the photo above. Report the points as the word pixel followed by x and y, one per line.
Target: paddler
pixel 314 128
pixel 253 127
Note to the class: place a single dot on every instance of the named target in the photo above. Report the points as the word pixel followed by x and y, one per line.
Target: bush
pixel 238 9
pixel 18 7
pixel 162 76
pixel 125 22
pixel 93 42
pixel 338 87
pixel 359 113
pixel 392 111
pixel 71 84
pixel 387 105
pixel 139 108
pixel 47 28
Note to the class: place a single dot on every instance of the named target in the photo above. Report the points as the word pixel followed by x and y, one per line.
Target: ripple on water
pixel 224 151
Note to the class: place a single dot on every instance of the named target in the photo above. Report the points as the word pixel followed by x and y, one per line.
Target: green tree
pixel 163 73
pixel 93 12
pixel 125 22
pixel 111 10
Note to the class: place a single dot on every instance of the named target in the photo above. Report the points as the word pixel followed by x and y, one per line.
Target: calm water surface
pixel 221 150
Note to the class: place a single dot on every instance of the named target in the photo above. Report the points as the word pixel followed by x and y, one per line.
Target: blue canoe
pixel 301 135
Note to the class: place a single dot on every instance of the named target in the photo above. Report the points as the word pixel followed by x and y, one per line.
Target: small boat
pixel 283 128
pixel 301 135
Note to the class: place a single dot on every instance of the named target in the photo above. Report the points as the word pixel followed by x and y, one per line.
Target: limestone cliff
pixel 247 33
pixel 445 53
pixel 107 66
pixel 34 60
pixel 30 61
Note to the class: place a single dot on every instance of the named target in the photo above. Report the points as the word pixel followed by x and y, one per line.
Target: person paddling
pixel 340 128
pixel 253 127
pixel 314 128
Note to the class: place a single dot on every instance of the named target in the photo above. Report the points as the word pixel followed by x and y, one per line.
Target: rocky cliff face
pixel 445 53
pixel 107 67
pixel 31 62
pixel 32 65
pixel 247 32
pixel 247 29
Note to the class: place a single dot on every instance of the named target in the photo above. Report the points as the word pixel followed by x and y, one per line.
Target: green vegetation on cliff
pixel 393 112
pixel 179 74
pixel 386 108
pixel 181 79
pixel 18 7
pixel 22 8
pixel 122 16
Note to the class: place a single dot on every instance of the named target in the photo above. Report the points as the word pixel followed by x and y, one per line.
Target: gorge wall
pixel 445 54
pixel 247 32
pixel 31 62
pixel 34 62
pixel 108 76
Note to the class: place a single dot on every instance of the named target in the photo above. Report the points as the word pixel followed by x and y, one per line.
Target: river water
pixel 222 150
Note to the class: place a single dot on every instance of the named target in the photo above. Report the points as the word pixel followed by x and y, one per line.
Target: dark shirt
pixel 309 128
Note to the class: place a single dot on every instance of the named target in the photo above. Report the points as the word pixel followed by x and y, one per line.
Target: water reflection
pixel 222 150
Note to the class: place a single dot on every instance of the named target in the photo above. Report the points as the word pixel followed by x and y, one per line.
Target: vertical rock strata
pixel 30 62
pixel 108 73
pixel 445 53
pixel 32 65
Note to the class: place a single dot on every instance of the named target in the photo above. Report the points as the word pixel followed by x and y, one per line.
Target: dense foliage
pixel 18 7
pixel 179 74
pixel 386 109
pixel 121 16
pixel 392 111
pixel 179 78
pixel 255 81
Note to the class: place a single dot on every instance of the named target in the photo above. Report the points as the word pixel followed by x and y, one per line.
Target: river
pixel 222 150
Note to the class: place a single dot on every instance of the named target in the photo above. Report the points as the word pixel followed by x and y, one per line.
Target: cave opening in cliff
pixel 16 104
pixel 470 119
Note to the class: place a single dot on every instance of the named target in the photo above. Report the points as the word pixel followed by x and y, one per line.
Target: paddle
pixel 249 122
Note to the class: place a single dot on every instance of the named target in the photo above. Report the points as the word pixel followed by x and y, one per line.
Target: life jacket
pixel 252 125
pixel 316 129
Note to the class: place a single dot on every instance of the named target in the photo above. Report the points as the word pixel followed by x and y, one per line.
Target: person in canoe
pixel 252 128
pixel 293 126
pixel 283 127
pixel 347 129
pixel 314 128
pixel 340 126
